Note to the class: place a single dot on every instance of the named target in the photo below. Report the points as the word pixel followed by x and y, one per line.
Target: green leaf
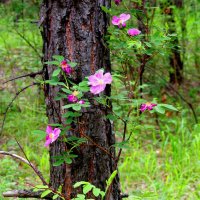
pixel 56 72
pixel 170 107
pixel 53 81
pixel 56 125
pixel 84 88
pixel 80 197
pixel 87 188
pixel 102 194
pixel 71 114
pixel 78 184
pixel 72 64
pixel 136 44
pixel 55 196
pixel 86 105
pixel 68 160
pixel 67 128
pixel 148 44
pixel 45 193
pixel 73 155
pixel 159 109
pixel 105 9
pixel 76 107
pixel 60 96
pixel 58 58
pixel 58 163
pixel 61 83
pixel 41 186
pixel 66 90
pixel 52 63
pixel 110 180
pixel 69 120
pixel 96 191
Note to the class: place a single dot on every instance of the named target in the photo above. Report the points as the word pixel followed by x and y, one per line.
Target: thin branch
pixel 123 139
pixel 10 104
pixel 32 75
pixel 15 156
pixel 97 145
pixel 26 194
pixel 38 173
pixel 26 40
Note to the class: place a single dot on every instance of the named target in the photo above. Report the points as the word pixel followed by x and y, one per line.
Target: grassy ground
pixel 166 168
pixel 161 164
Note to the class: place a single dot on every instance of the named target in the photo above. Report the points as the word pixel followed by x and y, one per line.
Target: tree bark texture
pixel 75 30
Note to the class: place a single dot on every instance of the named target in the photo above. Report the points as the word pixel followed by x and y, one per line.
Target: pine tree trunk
pixel 75 29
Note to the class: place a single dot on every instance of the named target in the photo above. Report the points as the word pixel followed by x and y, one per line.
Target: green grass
pixel 27 112
pixel 167 168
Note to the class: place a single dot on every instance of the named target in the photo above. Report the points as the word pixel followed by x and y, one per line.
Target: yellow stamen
pixel 51 135
pixel 101 82
pixel 75 93
pixel 148 103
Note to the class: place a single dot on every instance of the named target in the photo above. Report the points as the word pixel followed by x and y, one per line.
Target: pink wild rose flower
pixel 66 67
pixel 52 135
pixel 120 21
pixel 98 81
pixel 73 97
pixel 133 32
pixel 147 106
pixel 81 102
pixel 117 2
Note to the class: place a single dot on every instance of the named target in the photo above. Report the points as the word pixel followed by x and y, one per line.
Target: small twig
pixel 15 156
pixel 32 75
pixel 26 194
pixel 100 147
pixel 123 139
pixel 124 134
pixel 26 40
pixel 10 104
pixel 39 174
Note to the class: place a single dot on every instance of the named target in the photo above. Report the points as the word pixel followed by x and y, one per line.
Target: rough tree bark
pixel 75 29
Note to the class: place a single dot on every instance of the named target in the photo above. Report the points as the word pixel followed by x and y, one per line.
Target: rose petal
pixel 97 89
pixel 133 32
pixel 107 78
pixel 115 20
pixel 124 17
pixel 49 129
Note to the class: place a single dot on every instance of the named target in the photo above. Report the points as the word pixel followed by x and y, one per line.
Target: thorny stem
pixel 103 149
